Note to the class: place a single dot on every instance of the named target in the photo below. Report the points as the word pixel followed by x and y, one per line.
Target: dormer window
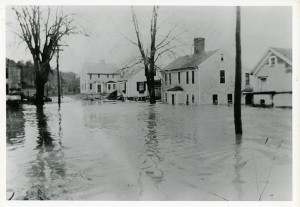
pixel 272 61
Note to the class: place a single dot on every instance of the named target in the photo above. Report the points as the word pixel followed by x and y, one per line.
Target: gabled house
pixel 200 78
pixel 99 78
pixel 272 78
pixel 133 84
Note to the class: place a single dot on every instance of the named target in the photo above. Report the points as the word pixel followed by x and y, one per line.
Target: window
pixel 215 99
pixel 91 86
pixel 108 86
pixel 90 76
pixel 247 78
pixel 193 98
pixel 166 78
pixel 170 81
pixel 229 98
pixel 6 72
pixel 98 75
pixel 107 75
pixel 222 76
pixel 272 61
pixel 114 86
pixel 178 77
pixel 113 75
pixel 187 77
pixel 166 97
pixel 140 86
pixel 187 99
pixel 222 57
pixel 193 77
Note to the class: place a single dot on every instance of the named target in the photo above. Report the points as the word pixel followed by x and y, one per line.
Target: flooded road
pixel 136 151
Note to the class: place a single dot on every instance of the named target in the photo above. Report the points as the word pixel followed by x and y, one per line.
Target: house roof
pixel 285 54
pixel 189 61
pixel 100 67
pixel 176 88
pixel 128 73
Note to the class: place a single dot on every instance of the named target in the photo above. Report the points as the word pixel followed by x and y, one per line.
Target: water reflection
pixel 151 154
pixel 44 138
pixel 48 169
pixel 238 166
pixel 15 124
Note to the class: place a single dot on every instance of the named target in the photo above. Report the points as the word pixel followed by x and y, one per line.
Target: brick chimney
pixel 199 45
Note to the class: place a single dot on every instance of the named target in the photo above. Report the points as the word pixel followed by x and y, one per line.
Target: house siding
pixel 131 87
pixel 278 78
pixel 210 78
pixel 191 89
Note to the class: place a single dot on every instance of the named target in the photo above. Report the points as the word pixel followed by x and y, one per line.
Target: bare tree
pixel 238 79
pixel 42 39
pixel 156 49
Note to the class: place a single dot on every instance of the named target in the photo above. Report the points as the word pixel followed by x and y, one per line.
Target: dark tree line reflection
pixel 151 155
pixel 15 124
pixel 48 170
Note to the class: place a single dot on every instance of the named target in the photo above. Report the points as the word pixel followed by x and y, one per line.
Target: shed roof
pixel 189 61
pixel 176 88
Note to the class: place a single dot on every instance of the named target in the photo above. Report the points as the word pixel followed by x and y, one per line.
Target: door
pixel 99 88
pixel 229 98
pixel 173 99
pixel 215 99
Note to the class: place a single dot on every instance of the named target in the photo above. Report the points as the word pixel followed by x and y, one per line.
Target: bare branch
pixel 138 35
pixel 166 50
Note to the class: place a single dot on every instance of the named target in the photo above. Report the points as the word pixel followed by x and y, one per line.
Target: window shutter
pixel 145 85
pixel 137 86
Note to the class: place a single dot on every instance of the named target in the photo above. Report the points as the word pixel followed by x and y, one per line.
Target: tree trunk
pixel 151 86
pixel 41 72
pixel 40 86
pixel 58 77
pixel 238 78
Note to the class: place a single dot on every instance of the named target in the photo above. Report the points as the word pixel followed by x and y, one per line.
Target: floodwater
pixel 136 151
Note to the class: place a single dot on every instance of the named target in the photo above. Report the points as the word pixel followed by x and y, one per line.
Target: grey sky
pixel 262 27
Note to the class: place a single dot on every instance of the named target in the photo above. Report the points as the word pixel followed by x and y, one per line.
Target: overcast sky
pixel 262 27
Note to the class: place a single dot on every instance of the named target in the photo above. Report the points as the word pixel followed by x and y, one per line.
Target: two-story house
pixel 272 78
pixel 200 78
pixel 99 78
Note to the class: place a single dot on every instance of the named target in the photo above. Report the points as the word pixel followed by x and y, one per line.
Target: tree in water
pixel 156 50
pixel 42 39
pixel 238 79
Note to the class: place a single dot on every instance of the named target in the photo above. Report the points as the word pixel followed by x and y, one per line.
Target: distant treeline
pixel 69 81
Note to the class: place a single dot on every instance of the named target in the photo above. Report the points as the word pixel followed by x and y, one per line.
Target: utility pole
pixel 58 76
pixel 238 79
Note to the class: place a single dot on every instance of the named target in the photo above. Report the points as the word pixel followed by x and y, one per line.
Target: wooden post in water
pixel 238 79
